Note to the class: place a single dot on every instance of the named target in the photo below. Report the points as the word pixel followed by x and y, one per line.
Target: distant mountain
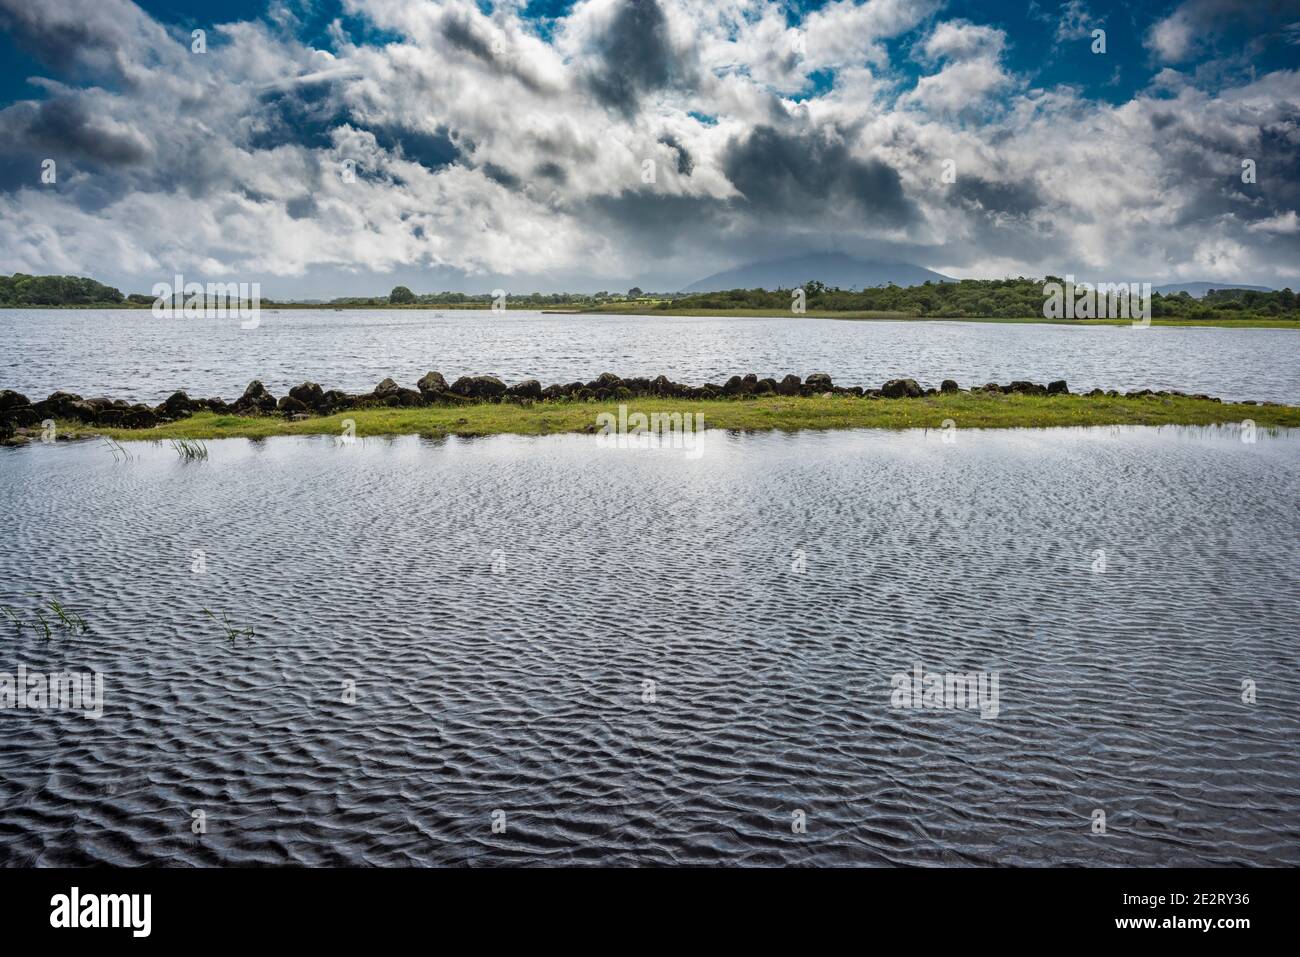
pixel 833 269
pixel 1197 290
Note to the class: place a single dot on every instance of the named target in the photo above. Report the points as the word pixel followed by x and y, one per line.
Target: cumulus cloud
pixel 656 140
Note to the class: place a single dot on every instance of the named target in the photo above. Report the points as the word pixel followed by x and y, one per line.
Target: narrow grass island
pixel 484 405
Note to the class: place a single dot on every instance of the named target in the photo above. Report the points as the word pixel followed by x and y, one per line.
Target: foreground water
pixel 501 603
pixel 129 354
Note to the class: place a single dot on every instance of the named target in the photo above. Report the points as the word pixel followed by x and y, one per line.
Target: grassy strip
pixel 631 309
pixel 968 410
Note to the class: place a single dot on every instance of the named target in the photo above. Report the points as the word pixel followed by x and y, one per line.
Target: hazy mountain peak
pixel 833 269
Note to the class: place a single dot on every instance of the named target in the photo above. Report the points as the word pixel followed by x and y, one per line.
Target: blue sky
pixel 342 145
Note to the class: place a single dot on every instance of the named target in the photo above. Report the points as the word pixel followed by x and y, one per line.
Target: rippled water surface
pixel 131 355
pixel 501 603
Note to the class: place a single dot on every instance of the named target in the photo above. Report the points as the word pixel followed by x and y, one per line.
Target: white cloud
pixel 481 148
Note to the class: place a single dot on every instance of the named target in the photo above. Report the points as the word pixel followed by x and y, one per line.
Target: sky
pixel 340 147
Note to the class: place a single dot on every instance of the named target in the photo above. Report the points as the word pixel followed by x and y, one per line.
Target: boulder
pixel 11 400
pixel 21 416
pixel 818 382
pixel 432 382
pixel 1058 388
pixel 385 388
pixel 528 389
pixel 735 385
pixel 309 394
pixel 255 400
pixel 901 389
pixel 290 406
pixel 765 387
pixel 59 405
pixel 401 398
pixel 790 385
pixel 178 405
pixel 1025 388
pixel 479 387
pixel 949 385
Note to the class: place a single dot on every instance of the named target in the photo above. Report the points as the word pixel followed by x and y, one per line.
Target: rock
pixel 178 405
pixel 479 387
pixel 1058 388
pixel 607 380
pixel 309 394
pixel 818 382
pixel 57 406
pixel 387 387
pixel 1025 388
pixel 432 382
pixel 21 416
pixel 948 385
pixel 291 406
pixel 528 389
pixel 402 398
pixel 11 400
pixel 336 399
pixel 133 418
pixel 765 387
pixel 735 385
pixel 790 385
pixel 901 389
pixel 255 400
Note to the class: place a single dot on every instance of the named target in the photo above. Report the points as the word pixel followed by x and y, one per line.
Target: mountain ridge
pixel 832 269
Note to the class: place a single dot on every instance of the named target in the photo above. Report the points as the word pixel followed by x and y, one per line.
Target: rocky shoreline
pixel 18 414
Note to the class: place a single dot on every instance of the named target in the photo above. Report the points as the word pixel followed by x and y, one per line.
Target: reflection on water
pixel 501 605
pixel 131 355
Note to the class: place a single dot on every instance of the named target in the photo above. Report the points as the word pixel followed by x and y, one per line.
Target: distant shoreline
pixel 739 313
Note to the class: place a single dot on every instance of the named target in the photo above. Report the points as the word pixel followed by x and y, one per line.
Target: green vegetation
pixel 68 621
pixel 990 299
pixel 231 631
pixel 190 450
pixel 37 291
pixel 976 409
pixel 987 300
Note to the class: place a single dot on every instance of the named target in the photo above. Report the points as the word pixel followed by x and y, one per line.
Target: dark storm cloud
pixel 1207 170
pixel 499 174
pixel 301 207
pixel 460 33
pixel 86 36
pixel 650 222
pixel 1015 199
pixel 64 127
pixel 685 162
pixel 552 171
pixel 786 173
pixel 636 55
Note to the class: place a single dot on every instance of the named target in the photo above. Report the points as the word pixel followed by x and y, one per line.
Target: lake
pixel 533 650
pixel 131 355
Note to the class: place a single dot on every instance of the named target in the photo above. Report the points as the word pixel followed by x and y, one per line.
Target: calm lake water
pixel 502 603
pixel 131 355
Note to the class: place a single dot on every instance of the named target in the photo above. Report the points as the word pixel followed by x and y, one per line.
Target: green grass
pixel 966 409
